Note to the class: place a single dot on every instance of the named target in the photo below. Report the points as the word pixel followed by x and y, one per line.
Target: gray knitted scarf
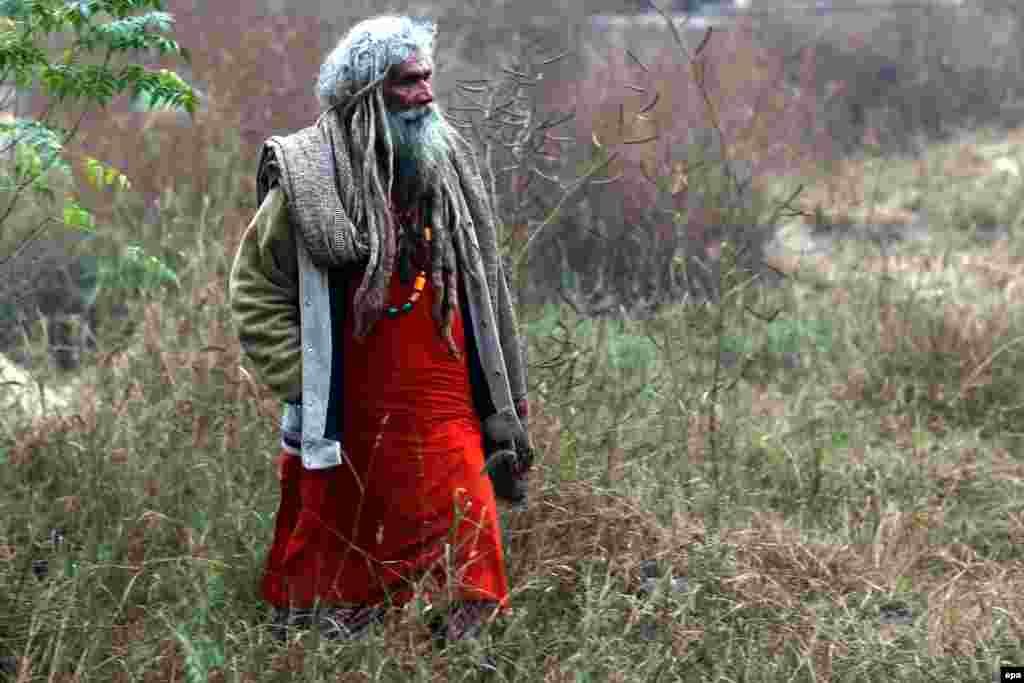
pixel 338 176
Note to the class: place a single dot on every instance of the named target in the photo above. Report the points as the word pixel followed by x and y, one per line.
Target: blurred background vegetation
pixel 794 86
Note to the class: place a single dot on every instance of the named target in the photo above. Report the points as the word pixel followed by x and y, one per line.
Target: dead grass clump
pixel 967 596
pixel 170 662
pixel 965 609
pixel 126 635
pixel 964 333
pixel 45 431
pixel 899 426
pixel 292 660
pixel 699 426
pixel 853 389
pixel 545 432
pixel 137 541
pixel 998 465
pixel 999 268
pixel 777 568
pixel 765 403
pixel 996 269
pixel 815 267
pixel 575 523
pixel 189 543
pixel 841 192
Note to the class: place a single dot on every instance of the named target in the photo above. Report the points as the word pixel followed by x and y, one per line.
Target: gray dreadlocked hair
pixel 371 47
pixel 350 82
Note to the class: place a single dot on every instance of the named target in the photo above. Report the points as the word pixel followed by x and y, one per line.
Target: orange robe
pixel 413 484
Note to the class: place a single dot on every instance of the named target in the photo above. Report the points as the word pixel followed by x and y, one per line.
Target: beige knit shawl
pixel 314 169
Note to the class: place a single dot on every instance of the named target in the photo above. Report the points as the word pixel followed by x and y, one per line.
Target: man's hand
pixel 508 464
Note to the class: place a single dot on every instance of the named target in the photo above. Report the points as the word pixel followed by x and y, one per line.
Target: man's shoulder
pixel 302 136
pixel 283 152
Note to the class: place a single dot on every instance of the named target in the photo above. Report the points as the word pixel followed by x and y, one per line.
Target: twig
pixel 551 216
pixel 637 60
pixel 552 60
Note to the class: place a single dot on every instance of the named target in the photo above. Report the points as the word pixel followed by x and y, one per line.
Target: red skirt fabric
pixel 411 501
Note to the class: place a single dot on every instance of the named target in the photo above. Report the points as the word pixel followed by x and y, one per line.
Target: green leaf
pixel 13 8
pixel 101 175
pixel 104 553
pixel 94 172
pixel 44 191
pixel 139 270
pixel 26 28
pixel 37 142
pixel 77 217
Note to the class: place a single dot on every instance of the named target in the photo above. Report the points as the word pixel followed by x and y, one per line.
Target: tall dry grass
pixel 842 496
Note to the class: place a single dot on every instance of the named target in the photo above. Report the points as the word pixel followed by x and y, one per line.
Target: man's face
pixel 408 85
pixel 417 127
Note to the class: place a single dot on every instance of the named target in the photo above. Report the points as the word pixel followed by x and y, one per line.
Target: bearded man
pixel 399 386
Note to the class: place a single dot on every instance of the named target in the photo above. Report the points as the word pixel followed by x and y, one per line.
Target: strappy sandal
pixel 348 623
pixel 465 621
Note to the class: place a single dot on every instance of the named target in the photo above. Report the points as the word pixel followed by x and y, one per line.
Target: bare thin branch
pixel 37 233
pixel 637 60
pixel 704 42
pixel 479 109
pixel 558 58
pixel 554 123
pixel 640 141
pixel 607 181
pixel 785 204
pixel 650 106
pixel 597 168
pixel 768 318
pixel 517 74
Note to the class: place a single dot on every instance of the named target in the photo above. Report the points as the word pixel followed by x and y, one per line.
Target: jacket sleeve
pixel 264 292
pixel 513 347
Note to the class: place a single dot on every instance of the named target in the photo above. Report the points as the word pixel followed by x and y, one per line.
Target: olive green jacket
pixel 289 316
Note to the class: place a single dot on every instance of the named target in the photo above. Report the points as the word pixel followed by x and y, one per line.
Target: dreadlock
pixel 364 123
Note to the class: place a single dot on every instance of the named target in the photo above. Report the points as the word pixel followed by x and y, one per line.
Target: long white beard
pixel 421 144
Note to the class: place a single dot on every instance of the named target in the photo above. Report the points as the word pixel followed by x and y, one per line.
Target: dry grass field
pixel 830 490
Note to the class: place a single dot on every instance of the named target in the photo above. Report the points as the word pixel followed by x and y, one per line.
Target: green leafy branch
pixel 39 146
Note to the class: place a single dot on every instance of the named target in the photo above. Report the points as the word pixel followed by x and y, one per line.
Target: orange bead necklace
pixel 418 285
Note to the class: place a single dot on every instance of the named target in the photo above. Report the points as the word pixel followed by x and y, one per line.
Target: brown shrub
pixel 762 124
